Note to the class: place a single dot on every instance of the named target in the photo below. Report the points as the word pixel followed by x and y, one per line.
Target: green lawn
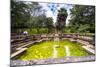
pixel 46 50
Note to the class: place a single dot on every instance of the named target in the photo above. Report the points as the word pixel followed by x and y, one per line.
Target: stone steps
pixel 18 52
pixel 89 49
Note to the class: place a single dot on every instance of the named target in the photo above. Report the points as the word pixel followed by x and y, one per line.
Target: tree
pixel 61 19
pixel 29 15
pixel 37 15
pixel 26 14
pixel 19 14
pixel 49 24
pixel 83 18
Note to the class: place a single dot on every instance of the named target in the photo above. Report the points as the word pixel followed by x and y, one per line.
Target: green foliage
pixel 82 19
pixel 19 14
pixel 29 15
pixel 49 24
pixel 40 31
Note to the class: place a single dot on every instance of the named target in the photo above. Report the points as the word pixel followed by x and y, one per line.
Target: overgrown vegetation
pixel 45 50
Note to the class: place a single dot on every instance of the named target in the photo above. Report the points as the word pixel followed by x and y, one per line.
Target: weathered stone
pixel 53 60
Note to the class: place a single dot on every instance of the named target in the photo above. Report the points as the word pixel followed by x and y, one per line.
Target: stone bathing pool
pixel 54 49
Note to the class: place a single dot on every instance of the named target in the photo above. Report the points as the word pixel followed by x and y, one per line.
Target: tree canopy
pixel 82 19
pixel 29 15
pixel 19 14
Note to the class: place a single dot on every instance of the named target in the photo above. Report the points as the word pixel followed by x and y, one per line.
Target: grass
pixel 45 50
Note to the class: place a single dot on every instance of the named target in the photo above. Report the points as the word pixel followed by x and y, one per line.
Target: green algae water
pixel 51 49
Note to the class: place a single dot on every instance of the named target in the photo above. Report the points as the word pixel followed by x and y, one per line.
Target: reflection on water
pixel 67 51
pixel 55 52
pixel 57 45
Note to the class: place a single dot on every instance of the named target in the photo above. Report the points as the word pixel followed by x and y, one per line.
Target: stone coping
pixel 68 59
pixel 18 52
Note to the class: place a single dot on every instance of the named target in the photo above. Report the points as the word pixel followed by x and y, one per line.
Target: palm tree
pixel 61 19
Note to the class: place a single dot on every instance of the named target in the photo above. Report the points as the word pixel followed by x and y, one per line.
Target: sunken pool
pixel 54 49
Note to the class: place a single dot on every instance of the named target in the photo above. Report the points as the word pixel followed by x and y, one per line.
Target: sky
pixel 52 10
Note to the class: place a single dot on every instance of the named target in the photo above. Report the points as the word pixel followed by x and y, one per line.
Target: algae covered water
pixel 52 49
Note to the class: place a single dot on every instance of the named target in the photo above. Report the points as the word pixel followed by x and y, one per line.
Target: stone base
pixel 53 60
